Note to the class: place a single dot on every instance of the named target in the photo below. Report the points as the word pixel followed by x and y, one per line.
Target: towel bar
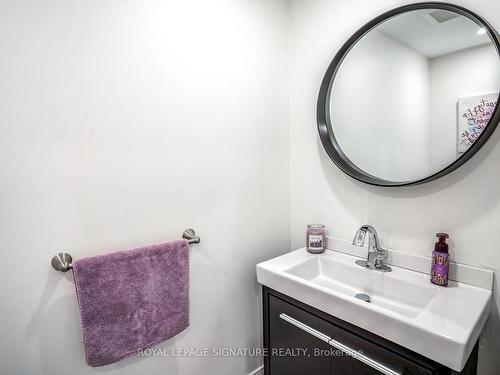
pixel 63 261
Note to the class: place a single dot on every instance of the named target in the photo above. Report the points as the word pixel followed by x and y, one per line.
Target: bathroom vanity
pixel 315 322
pixel 299 339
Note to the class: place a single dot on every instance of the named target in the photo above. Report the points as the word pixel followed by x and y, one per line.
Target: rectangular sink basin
pixel 399 296
pixel 442 324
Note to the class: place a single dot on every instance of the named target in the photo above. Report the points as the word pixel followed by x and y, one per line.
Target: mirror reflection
pixel 414 93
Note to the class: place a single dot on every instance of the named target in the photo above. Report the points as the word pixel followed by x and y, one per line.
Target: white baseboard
pixel 258 371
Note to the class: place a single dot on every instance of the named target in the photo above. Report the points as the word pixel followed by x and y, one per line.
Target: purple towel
pixel 131 300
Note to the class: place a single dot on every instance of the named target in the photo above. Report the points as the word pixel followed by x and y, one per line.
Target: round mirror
pixel 411 96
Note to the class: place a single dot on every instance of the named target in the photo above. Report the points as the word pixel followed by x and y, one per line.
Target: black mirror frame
pixel 325 129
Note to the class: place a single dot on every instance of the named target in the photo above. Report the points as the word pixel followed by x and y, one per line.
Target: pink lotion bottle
pixel 440 261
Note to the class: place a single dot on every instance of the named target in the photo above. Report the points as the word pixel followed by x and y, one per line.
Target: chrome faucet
pixel 376 255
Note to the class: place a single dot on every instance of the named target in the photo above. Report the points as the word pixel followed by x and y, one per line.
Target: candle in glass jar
pixel 315 238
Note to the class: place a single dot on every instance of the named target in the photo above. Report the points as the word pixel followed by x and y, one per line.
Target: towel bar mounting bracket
pixel 62 262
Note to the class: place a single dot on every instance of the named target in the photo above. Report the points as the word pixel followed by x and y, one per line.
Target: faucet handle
pixel 382 254
pixel 380 257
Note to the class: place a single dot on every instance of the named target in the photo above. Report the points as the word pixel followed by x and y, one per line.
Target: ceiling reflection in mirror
pixel 414 93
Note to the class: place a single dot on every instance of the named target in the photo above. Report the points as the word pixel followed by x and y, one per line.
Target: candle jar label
pixel 315 242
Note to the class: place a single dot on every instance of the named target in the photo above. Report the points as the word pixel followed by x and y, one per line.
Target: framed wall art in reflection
pixel 474 113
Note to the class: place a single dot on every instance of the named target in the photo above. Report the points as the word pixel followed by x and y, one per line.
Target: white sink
pixel 399 295
pixel 440 323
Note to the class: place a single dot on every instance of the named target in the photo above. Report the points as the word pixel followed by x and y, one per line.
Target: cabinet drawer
pixel 345 364
pixel 292 350
pixel 326 347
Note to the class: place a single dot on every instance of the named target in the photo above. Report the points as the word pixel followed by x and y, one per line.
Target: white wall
pixel 469 72
pixel 466 203
pixel 379 66
pixel 122 122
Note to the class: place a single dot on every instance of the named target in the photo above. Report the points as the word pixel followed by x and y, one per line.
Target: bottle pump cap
pixel 441 245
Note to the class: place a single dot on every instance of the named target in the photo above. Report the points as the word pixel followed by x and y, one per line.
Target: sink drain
pixel 363 297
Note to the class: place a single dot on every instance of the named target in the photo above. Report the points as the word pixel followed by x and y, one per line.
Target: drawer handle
pixel 363 358
pixel 305 328
pixel 338 345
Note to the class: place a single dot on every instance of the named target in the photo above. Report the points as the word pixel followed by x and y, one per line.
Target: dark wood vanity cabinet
pixel 296 337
